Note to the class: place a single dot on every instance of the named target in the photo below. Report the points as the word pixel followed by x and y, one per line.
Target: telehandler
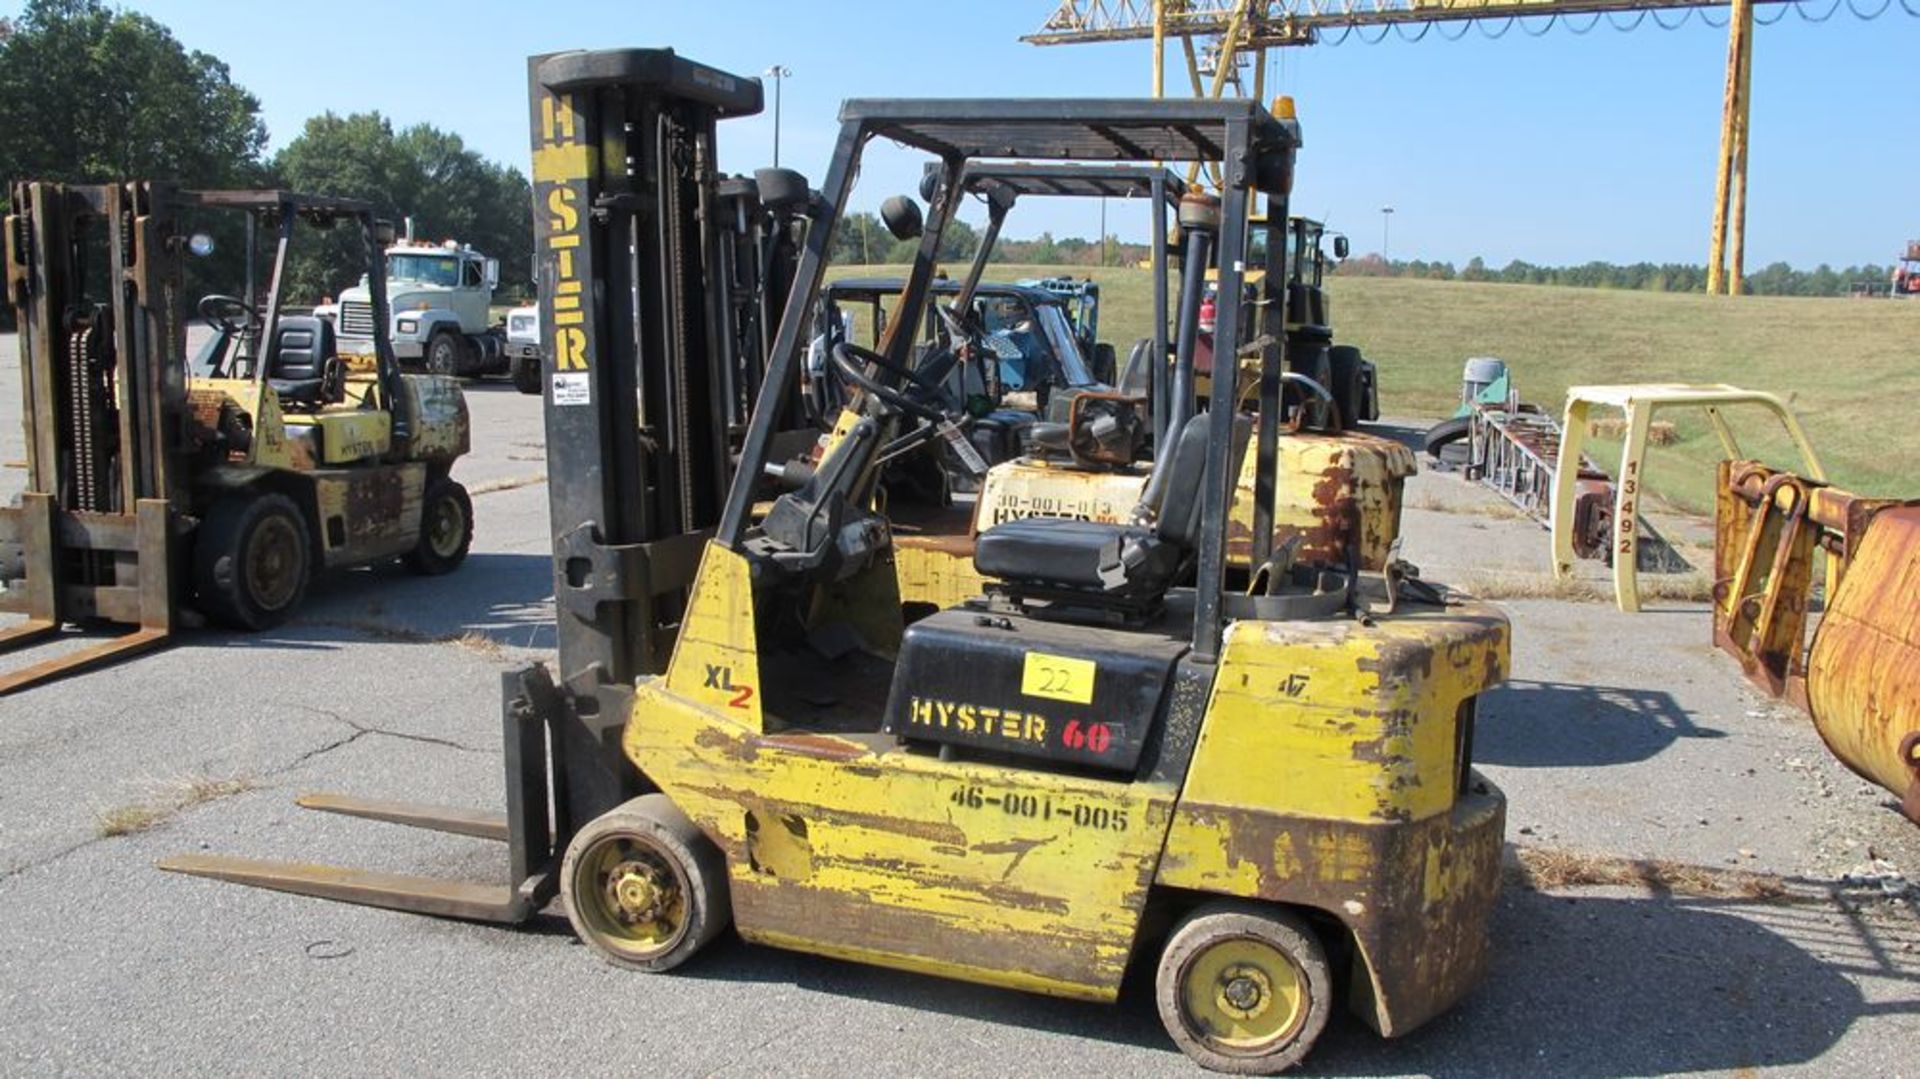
pixel 163 488
pixel 1268 791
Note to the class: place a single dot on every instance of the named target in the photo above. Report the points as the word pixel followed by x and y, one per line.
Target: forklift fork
pixel 535 842
pixel 138 544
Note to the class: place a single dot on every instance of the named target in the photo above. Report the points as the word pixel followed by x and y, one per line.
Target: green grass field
pixel 1850 368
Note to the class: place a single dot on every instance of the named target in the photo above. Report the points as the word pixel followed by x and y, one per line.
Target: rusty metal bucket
pixel 1863 673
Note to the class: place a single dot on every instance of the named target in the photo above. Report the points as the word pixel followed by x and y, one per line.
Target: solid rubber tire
pixel 655 819
pixel 220 543
pixel 1275 926
pixel 423 559
pixel 1440 434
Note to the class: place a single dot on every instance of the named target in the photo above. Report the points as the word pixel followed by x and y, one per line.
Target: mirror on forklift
pixel 200 245
pixel 902 217
pixel 1340 246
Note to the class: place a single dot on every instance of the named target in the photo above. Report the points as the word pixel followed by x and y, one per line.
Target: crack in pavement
pixel 359 731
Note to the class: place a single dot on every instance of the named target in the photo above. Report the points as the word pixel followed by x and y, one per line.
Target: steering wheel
pixel 852 362
pixel 221 310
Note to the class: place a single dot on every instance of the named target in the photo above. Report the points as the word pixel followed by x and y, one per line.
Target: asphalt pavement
pixel 1620 737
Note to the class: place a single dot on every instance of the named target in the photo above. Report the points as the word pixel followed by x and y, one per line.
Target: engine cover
pixel 1073 694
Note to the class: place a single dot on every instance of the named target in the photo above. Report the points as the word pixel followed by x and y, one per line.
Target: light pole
pixel 779 73
pixel 1386 221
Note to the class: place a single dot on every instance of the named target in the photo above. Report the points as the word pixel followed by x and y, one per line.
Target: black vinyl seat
pixel 1111 560
pixel 297 361
pixel 1078 555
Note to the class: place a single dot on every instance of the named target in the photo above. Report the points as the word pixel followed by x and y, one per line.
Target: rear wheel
pixel 1444 434
pixel 446 528
pixel 1244 988
pixel 1349 385
pixel 252 560
pixel 643 887
pixel 526 374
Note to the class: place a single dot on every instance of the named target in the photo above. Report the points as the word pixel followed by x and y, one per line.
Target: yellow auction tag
pixel 1060 678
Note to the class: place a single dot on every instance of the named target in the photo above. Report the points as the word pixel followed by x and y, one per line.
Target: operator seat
pixel 1092 560
pixel 302 349
pixel 1136 378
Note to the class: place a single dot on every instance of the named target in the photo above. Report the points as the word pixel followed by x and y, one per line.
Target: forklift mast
pixel 94 272
pixel 90 271
pixel 648 296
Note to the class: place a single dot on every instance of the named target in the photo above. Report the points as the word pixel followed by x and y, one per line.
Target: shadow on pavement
pixel 1591 985
pixel 1580 985
pixel 507 597
pixel 1556 724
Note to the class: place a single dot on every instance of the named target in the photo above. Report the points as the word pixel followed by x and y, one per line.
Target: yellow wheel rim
pixel 632 897
pixel 1243 996
pixel 446 528
pixel 272 563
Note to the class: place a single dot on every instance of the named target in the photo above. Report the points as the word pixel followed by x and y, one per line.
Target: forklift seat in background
pixel 1113 559
pixel 297 360
pixel 1136 378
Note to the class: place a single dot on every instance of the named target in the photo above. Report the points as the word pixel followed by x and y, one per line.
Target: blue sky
pixel 1554 149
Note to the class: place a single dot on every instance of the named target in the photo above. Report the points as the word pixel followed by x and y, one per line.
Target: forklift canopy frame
pixel 281 210
pixel 1257 152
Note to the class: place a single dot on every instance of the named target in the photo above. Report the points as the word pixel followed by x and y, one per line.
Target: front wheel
pixel 446 529
pixel 643 887
pixel 443 354
pixel 251 561
pixel 1244 988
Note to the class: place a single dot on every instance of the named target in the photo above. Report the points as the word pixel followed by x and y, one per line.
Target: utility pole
pixel 779 73
pixel 1730 183
pixel 1103 232
pixel 1386 231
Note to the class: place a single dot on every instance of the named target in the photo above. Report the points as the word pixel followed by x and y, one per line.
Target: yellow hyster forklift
pixel 1260 781
pixel 163 487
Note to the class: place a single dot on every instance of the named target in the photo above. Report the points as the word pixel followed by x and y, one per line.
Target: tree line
pixel 862 239
pixel 1775 279
pixel 94 94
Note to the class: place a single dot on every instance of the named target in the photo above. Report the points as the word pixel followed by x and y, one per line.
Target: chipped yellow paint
pixel 936 570
pixel 1354 722
pixel 373 510
pixel 1028 487
pixel 1445 876
pixel 348 434
pixel 262 407
pixel 1330 489
pixel 718 633
pixel 441 429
